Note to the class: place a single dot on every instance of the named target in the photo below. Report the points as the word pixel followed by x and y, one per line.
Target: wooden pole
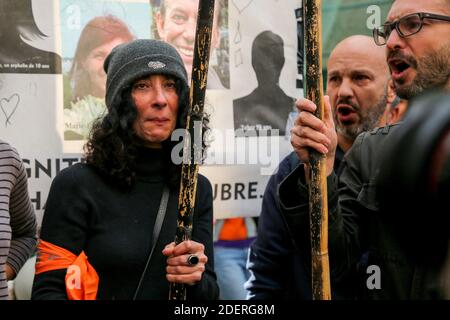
pixel 318 202
pixel 192 149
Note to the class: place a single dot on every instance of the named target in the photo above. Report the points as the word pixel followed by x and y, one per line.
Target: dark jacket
pixel 114 227
pixel 278 269
pixel 356 225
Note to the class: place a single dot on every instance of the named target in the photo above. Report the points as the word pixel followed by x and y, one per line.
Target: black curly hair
pixel 112 145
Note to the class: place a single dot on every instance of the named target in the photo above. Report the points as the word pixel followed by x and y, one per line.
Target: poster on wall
pixel 89 31
pixel 30 95
pixel 18 53
pixel 251 121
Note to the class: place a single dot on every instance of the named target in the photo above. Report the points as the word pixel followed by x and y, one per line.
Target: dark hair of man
pixel 112 145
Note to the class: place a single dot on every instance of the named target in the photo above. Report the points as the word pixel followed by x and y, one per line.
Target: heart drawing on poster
pixel 241 5
pixel 9 106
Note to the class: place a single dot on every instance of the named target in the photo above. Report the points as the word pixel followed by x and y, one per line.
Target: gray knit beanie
pixel 139 58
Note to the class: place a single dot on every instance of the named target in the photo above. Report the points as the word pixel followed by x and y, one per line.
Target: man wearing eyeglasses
pixel 417 40
pixel 418 46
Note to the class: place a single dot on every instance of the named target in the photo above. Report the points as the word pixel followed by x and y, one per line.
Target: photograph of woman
pixel 85 86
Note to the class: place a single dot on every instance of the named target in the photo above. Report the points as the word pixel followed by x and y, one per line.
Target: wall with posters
pixel 254 79
pixel 46 118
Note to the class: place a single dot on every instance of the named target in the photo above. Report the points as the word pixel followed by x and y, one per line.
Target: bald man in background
pixel 358 90
pixel 357 85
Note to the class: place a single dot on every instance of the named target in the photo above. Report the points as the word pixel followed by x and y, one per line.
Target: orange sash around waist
pixel 81 278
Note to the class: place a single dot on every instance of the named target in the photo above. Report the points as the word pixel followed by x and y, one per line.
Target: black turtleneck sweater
pixel 84 211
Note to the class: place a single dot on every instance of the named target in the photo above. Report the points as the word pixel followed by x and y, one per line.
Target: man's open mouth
pixel 398 67
pixel 346 113
pixel 345 110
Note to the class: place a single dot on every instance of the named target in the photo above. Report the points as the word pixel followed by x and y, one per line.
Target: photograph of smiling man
pixel 175 23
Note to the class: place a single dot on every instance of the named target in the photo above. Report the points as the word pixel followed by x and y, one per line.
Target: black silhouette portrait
pixel 267 107
pixel 17 29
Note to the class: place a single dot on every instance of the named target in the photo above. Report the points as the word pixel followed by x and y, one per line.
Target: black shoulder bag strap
pixel 156 230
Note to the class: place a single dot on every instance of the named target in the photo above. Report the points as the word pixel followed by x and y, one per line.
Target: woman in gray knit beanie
pixel 118 211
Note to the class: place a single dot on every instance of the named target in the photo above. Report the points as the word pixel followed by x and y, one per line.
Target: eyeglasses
pixel 405 26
